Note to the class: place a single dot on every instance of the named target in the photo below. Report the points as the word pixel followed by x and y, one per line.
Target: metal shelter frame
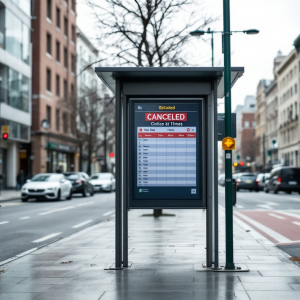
pixel 201 82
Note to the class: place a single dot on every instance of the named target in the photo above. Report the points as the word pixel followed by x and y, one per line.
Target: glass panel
pixel 25 44
pixel 25 93
pixel 13 34
pixel 25 6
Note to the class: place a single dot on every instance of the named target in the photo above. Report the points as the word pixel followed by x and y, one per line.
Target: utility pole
pixel 105 147
pixel 228 153
pixel 264 153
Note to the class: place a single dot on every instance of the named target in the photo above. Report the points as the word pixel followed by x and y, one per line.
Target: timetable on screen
pixel 166 150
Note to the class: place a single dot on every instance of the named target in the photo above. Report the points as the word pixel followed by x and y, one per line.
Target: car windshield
pixel 260 176
pixel 248 177
pixel 291 173
pixel 104 176
pixel 46 177
pixel 94 177
pixel 72 176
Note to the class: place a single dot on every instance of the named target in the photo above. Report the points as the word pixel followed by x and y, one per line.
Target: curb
pixel 10 199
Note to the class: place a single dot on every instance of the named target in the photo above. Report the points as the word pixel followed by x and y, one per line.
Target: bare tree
pixel 147 33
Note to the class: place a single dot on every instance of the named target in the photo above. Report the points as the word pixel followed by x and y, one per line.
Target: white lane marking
pixel 24 218
pixel 271 203
pixel 55 210
pixel 108 213
pixel 264 206
pixel 47 237
pixel 275 235
pixel 239 206
pixel 4 222
pixel 296 223
pixel 82 224
pixel 276 216
pixel 86 203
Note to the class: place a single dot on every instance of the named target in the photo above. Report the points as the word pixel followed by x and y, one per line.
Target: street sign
pixel 228 143
pixel 166 154
pixel 221 126
pixel 5 129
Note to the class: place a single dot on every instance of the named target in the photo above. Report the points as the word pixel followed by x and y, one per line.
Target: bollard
pixel 233 191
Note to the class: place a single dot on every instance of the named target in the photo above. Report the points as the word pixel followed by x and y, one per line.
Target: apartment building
pixel 54 87
pixel 297 47
pixel 15 89
pixel 288 96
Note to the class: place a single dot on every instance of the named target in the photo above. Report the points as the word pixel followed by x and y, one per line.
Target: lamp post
pixel 45 124
pixel 202 32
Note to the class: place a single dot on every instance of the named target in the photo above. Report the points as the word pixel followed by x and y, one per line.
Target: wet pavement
pixel 167 258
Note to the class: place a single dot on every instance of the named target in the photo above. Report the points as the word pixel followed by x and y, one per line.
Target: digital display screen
pixel 167 151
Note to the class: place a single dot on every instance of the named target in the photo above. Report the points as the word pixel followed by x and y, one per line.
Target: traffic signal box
pixel 228 143
pixel 5 132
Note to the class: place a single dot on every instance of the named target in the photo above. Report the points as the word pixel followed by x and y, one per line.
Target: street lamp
pixel 202 32
pixel 45 124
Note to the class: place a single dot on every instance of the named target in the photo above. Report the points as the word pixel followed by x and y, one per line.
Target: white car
pixel 47 186
pixel 103 182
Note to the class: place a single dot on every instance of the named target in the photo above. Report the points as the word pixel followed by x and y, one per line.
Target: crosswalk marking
pixel 296 223
pixel 276 216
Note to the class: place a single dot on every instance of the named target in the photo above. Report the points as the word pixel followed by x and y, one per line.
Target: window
pixel 66 58
pixel 71 125
pixel 73 33
pixel 73 5
pixel 48 80
pixel 57 85
pixel 49 9
pixel 246 124
pixel 73 62
pixel 57 120
pixel 252 105
pixel 65 89
pixel 57 51
pixel 57 17
pixel 65 123
pixel 48 115
pixel 253 124
pixel 66 27
pixel 48 43
pixel 72 90
pixel 296 90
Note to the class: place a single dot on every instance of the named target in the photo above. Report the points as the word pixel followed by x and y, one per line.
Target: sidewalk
pixel 7 195
pixel 168 263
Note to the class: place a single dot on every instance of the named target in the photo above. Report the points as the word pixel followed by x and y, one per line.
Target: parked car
pixel 81 183
pixel 286 179
pixel 261 180
pixel 221 179
pixel 47 186
pixel 103 182
pixel 246 181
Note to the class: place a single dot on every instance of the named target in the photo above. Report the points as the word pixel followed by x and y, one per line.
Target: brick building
pixel 54 86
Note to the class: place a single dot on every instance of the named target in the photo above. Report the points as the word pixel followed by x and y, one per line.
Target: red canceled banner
pixel 166 116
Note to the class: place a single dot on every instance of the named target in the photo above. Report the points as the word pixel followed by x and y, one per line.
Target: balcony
pixel 14 99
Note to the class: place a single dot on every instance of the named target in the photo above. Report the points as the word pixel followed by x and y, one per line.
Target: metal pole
pixel 212 49
pixel 118 204
pixel 228 153
pixel 264 153
pixel 105 146
pixel 48 159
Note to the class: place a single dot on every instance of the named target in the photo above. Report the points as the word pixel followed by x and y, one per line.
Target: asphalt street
pixel 276 216
pixel 27 225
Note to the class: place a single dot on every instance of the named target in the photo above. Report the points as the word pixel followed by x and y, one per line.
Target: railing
pixel 14 99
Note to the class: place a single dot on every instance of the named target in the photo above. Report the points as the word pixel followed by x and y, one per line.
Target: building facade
pixel 288 95
pixel 54 87
pixel 297 47
pixel 15 89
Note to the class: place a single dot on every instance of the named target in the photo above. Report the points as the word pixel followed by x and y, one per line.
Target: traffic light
pixel 5 135
pixel 235 164
pixel 111 154
pixel 241 163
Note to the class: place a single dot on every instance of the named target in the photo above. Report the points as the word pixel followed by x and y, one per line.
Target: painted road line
pixel 47 237
pixel 278 217
pixel 82 224
pixel 4 222
pixel 290 214
pixel 239 206
pixel 56 210
pixel 264 206
pixel 273 234
pixel 108 213
pixel 86 203
pixel 24 218
pixel 271 203
pixel 296 223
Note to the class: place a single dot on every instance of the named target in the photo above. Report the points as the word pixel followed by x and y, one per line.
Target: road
pixel 275 216
pixel 27 225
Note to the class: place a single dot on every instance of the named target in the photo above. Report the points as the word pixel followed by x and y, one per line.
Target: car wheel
pixel 266 190
pixel 70 195
pixel 257 191
pixel 92 192
pixel 24 199
pixel 110 190
pixel 276 191
pixel 84 194
pixel 58 196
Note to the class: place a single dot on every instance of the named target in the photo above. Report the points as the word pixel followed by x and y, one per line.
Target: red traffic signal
pixel 111 154
pixel 5 135
pixel 241 163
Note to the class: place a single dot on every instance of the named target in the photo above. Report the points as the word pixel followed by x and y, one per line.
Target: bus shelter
pixel 166 144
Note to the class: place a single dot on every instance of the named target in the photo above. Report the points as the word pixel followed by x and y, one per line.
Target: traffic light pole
pixel 228 153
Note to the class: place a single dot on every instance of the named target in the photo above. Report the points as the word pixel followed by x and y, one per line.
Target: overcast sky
pixel 279 25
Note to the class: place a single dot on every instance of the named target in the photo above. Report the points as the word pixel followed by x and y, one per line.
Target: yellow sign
pixel 5 129
pixel 228 143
